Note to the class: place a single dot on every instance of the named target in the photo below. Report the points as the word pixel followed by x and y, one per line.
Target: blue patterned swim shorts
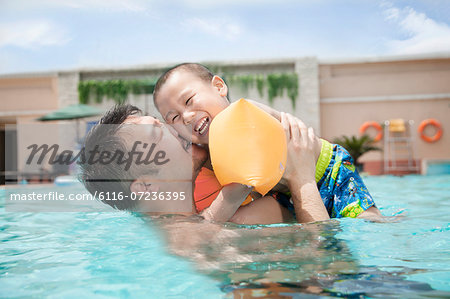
pixel 342 190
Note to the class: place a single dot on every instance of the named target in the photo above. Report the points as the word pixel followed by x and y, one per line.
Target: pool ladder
pixel 399 147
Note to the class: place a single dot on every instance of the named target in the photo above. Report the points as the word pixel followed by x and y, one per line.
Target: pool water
pixel 117 254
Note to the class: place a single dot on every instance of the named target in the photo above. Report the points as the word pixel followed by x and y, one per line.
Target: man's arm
pixel 303 151
pixel 300 170
pixel 371 213
pixel 308 204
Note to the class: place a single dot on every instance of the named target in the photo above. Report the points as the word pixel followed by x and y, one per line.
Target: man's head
pixel 189 96
pixel 127 152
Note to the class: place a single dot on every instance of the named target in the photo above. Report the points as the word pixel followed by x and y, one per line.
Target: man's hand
pixel 303 148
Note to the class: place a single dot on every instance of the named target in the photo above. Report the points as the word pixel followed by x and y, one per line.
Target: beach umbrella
pixel 75 111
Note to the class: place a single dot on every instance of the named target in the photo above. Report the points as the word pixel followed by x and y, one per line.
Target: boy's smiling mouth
pixel 202 126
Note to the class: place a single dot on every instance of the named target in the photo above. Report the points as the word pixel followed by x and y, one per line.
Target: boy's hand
pixel 227 202
pixel 301 150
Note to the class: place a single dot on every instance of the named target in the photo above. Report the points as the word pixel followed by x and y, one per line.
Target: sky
pixel 52 35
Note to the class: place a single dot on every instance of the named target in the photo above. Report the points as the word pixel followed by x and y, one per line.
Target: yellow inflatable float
pixel 247 146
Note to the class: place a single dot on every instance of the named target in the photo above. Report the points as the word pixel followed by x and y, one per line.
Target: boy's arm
pixel 300 170
pixel 227 202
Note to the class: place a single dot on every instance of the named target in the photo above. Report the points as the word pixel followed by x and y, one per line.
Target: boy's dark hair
pixel 197 69
pixel 109 177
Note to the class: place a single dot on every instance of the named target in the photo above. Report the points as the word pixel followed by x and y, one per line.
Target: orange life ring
pixel 431 122
pixel 375 125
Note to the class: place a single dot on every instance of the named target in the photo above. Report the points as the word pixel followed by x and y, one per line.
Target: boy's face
pixel 189 104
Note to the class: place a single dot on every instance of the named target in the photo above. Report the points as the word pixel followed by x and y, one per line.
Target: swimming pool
pixel 117 254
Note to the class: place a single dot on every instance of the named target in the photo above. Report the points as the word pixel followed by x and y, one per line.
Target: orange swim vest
pixel 206 189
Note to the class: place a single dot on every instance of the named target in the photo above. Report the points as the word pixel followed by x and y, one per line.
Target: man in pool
pixel 119 130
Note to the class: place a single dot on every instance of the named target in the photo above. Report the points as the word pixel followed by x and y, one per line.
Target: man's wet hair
pixel 110 177
pixel 119 113
pixel 197 69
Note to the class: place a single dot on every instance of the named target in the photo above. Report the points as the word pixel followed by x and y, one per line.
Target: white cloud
pixel 32 34
pixel 392 13
pixel 221 28
pixel 424 35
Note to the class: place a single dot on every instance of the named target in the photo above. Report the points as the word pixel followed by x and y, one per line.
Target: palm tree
pixel 357 146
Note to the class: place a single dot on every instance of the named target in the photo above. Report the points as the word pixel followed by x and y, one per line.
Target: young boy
pixel 189 96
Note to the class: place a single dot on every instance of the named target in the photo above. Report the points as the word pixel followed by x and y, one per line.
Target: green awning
pixel 72 112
